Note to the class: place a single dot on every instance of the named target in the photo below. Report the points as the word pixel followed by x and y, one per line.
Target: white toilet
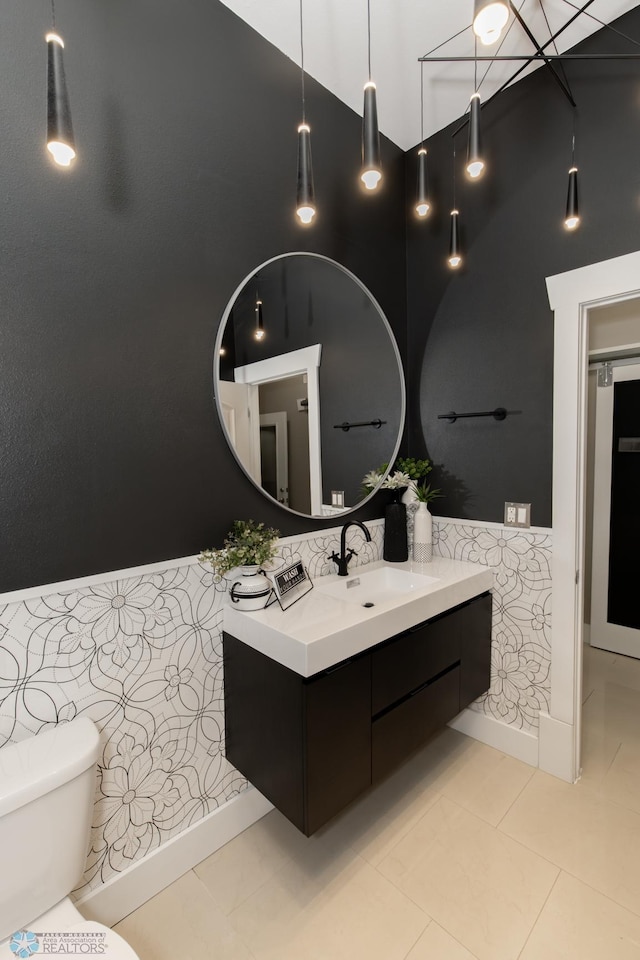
pixel 47 785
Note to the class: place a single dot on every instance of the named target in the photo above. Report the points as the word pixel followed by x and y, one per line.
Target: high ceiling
pixel 335 42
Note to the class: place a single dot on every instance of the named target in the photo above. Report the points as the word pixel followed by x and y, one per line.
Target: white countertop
pixel 319 631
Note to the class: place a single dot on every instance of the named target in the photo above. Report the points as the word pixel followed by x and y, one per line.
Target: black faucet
pixel 343 560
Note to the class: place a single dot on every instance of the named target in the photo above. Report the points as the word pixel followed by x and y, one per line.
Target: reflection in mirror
pixel 303 349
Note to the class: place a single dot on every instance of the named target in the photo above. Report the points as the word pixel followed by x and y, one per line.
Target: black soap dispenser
pixel 396 546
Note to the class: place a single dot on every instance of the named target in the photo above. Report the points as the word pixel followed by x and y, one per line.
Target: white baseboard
pixel 516 743
pixel 128 890
pixel 557 748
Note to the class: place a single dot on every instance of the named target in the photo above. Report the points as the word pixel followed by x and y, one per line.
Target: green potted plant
pixel 415 469
pixel 424 493
pixel 248 547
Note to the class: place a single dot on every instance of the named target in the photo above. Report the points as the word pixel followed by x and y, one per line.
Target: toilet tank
pixel 47 784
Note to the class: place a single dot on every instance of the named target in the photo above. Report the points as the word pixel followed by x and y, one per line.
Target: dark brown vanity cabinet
pixel 312 745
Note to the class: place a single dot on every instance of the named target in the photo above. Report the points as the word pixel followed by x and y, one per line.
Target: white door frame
pixel 571 296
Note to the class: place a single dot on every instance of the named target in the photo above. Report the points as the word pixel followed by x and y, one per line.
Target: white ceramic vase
pixel 251 591
pixel 422 534
pixel 409 495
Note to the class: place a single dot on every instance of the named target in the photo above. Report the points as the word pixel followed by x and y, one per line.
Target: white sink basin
pixel 375 586
pixel 331 623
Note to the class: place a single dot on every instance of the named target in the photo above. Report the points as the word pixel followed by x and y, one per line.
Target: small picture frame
pixel 290 584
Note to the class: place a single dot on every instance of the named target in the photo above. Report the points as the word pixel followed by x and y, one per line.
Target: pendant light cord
pixel 369 34
pixel 53 14
pixel 454 175
pixel 421 103
pixel 475 65
pixel 301 64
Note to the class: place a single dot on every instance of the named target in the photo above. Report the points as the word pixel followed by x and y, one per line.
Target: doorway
pixel 572 296
pixel 274 456
pixel 612 614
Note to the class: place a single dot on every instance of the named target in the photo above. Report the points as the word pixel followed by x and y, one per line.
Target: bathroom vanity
pixel 325 699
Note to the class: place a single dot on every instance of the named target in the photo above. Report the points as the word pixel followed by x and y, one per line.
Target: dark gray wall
pixel 484 337
pixel 115 274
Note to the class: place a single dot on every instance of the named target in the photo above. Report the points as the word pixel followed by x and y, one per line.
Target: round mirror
pixel 309 383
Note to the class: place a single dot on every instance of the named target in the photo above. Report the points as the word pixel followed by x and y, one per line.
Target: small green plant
pixel 247 544
pixel 424 493
pixel 416 469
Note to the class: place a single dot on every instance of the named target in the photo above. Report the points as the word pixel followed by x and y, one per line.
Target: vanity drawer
pixel 406 663
pixel 400 731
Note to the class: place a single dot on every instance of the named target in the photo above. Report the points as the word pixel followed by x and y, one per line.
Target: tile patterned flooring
pixel 463 854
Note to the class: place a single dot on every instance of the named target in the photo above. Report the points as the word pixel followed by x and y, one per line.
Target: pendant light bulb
pixel 305 195
pixel 423 206
pixel 475 163
pixel 60 141
pixel 489 20
pixel 306 207
pixel 259 331
pixel 371 165
pixel 455 257
pixel 572 216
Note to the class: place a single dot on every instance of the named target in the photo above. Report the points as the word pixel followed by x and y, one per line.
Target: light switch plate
pixel 517 514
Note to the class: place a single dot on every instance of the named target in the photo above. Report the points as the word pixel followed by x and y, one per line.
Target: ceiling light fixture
pixel 306 203
pixel 423 205
pixel 455 255
pixel 60 140
pixel 572 215
pixel 475 163
pixel 371 165
pixel 259 331
pixel 489 20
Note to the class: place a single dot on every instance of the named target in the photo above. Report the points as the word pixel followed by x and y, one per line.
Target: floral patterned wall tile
pixel 142 656
pixel 521 634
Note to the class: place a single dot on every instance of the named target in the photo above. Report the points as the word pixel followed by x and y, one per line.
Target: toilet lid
pixel 84 939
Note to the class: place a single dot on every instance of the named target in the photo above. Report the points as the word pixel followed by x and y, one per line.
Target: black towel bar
pixel 498 414
pixel 363 423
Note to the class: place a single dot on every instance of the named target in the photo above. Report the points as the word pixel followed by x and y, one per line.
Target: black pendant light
pixel 475 163
pixel 423 204
pixel 455 255
pixel 572 215
pixel 455 251
pixel 60 140
pixel 371 174
pixel 306 201
pixel 259 330
pixel 489 20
